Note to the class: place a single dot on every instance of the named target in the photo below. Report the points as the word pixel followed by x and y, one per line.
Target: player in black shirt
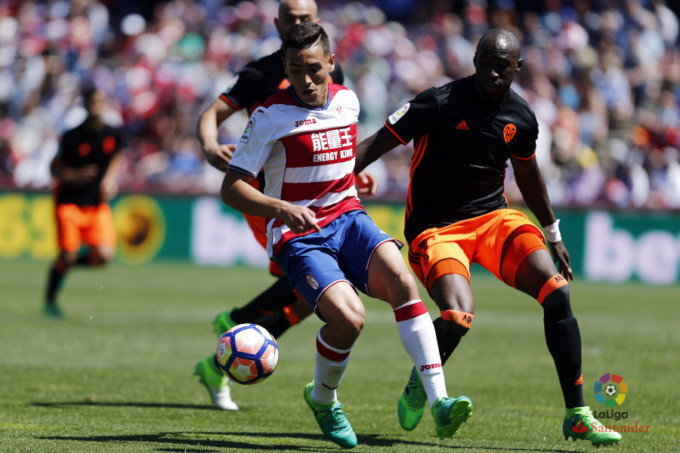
pixel 456 214
pixel 278 307
pixel 85 170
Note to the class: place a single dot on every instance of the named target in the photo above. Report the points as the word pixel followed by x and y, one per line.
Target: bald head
pixel 497 60
pixel 499 40
pixel 293 12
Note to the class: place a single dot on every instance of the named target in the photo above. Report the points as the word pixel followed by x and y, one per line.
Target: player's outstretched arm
pixel 531 184
pixel 217 155
pixel 240 195
pixel 370 150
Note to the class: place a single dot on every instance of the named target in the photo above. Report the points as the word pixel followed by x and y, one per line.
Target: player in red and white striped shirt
pixel 319 234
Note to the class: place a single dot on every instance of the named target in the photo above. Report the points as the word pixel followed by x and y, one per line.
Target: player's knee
pixel 102 256
pixel 66 260
pixel 351 321
pixel 556 305
pixel 403 286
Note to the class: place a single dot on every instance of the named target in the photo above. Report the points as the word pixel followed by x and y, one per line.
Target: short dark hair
pixel 87 92
pixel 304 35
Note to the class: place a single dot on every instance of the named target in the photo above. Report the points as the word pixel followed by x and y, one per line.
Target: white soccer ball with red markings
pixel 247 353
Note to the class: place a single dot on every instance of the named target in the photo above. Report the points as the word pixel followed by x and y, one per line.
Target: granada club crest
pixel 509 132
pixel 311 281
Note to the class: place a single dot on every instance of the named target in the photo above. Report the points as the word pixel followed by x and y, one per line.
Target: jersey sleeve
pixel 66 148
pixel 121 139
pixel 243 92
pixel 413 118
pixel 525 147
pixel 254 146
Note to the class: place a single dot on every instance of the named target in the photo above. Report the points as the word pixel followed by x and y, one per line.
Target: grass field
pixel 116 374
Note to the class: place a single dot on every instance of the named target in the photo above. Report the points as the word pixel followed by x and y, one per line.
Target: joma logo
pixel 306 122
pixel 430 367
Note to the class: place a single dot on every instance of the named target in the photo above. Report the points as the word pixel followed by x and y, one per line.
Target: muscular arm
pixel 240 195
pixel 369 150
pixel 217 155
pixel 531 184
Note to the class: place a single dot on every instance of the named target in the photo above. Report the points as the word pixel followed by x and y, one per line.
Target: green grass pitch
pixel 116 374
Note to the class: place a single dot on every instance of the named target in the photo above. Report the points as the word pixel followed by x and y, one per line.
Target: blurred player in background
pixel 464 133
pixel 278 307
pixel 85 170
pixel 320 235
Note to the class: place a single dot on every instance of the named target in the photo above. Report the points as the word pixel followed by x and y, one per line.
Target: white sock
pixel 330 367
pixel 420 341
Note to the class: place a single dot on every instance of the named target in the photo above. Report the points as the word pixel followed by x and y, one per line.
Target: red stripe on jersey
pixel 419 152
pixel 327 214
pixel 285 98
pixel 524 158
pixel 314 190
pixel 333 89
pixel 421 146
pixel 320 147
pixel 410 311
pixel 395 134
pixel 231 103
pixel 329 353
pixel 282 97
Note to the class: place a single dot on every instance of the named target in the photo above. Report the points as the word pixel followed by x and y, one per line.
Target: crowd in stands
pixel 603 78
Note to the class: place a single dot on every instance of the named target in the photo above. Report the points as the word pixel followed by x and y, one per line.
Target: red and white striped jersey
pixel 307 155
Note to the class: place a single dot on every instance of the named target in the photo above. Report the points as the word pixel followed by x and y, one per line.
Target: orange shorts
pixel 451 249
pixel 92 225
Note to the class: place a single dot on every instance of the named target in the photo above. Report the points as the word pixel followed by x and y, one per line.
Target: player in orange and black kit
pixel 464 133
pixel 85 169
pixel 278 307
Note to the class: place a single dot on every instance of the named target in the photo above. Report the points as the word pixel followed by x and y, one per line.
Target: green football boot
pixel 412 402
pixel 579 423
pixel 331 420
pixel 216 383
pixel 52 311
pixel 449 413
pixel 223 322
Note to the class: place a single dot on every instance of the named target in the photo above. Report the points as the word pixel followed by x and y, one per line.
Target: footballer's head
pixel 293 12
pixel 308 62
pixel 497 60
pixel 94 101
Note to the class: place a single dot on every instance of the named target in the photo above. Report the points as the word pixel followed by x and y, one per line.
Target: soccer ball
pixel 247 353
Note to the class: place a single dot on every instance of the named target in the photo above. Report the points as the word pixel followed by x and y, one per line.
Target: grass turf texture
pixel 115 374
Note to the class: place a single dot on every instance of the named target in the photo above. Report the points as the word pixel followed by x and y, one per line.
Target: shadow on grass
pixel 210 441
pixel 129 404
pixel 201 441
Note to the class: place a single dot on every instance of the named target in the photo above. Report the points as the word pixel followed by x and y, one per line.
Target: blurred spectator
pixel 602 77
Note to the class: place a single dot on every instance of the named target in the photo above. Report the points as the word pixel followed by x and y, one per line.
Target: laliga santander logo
pixel 396 116
pixel 610 390
pixel 245 137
